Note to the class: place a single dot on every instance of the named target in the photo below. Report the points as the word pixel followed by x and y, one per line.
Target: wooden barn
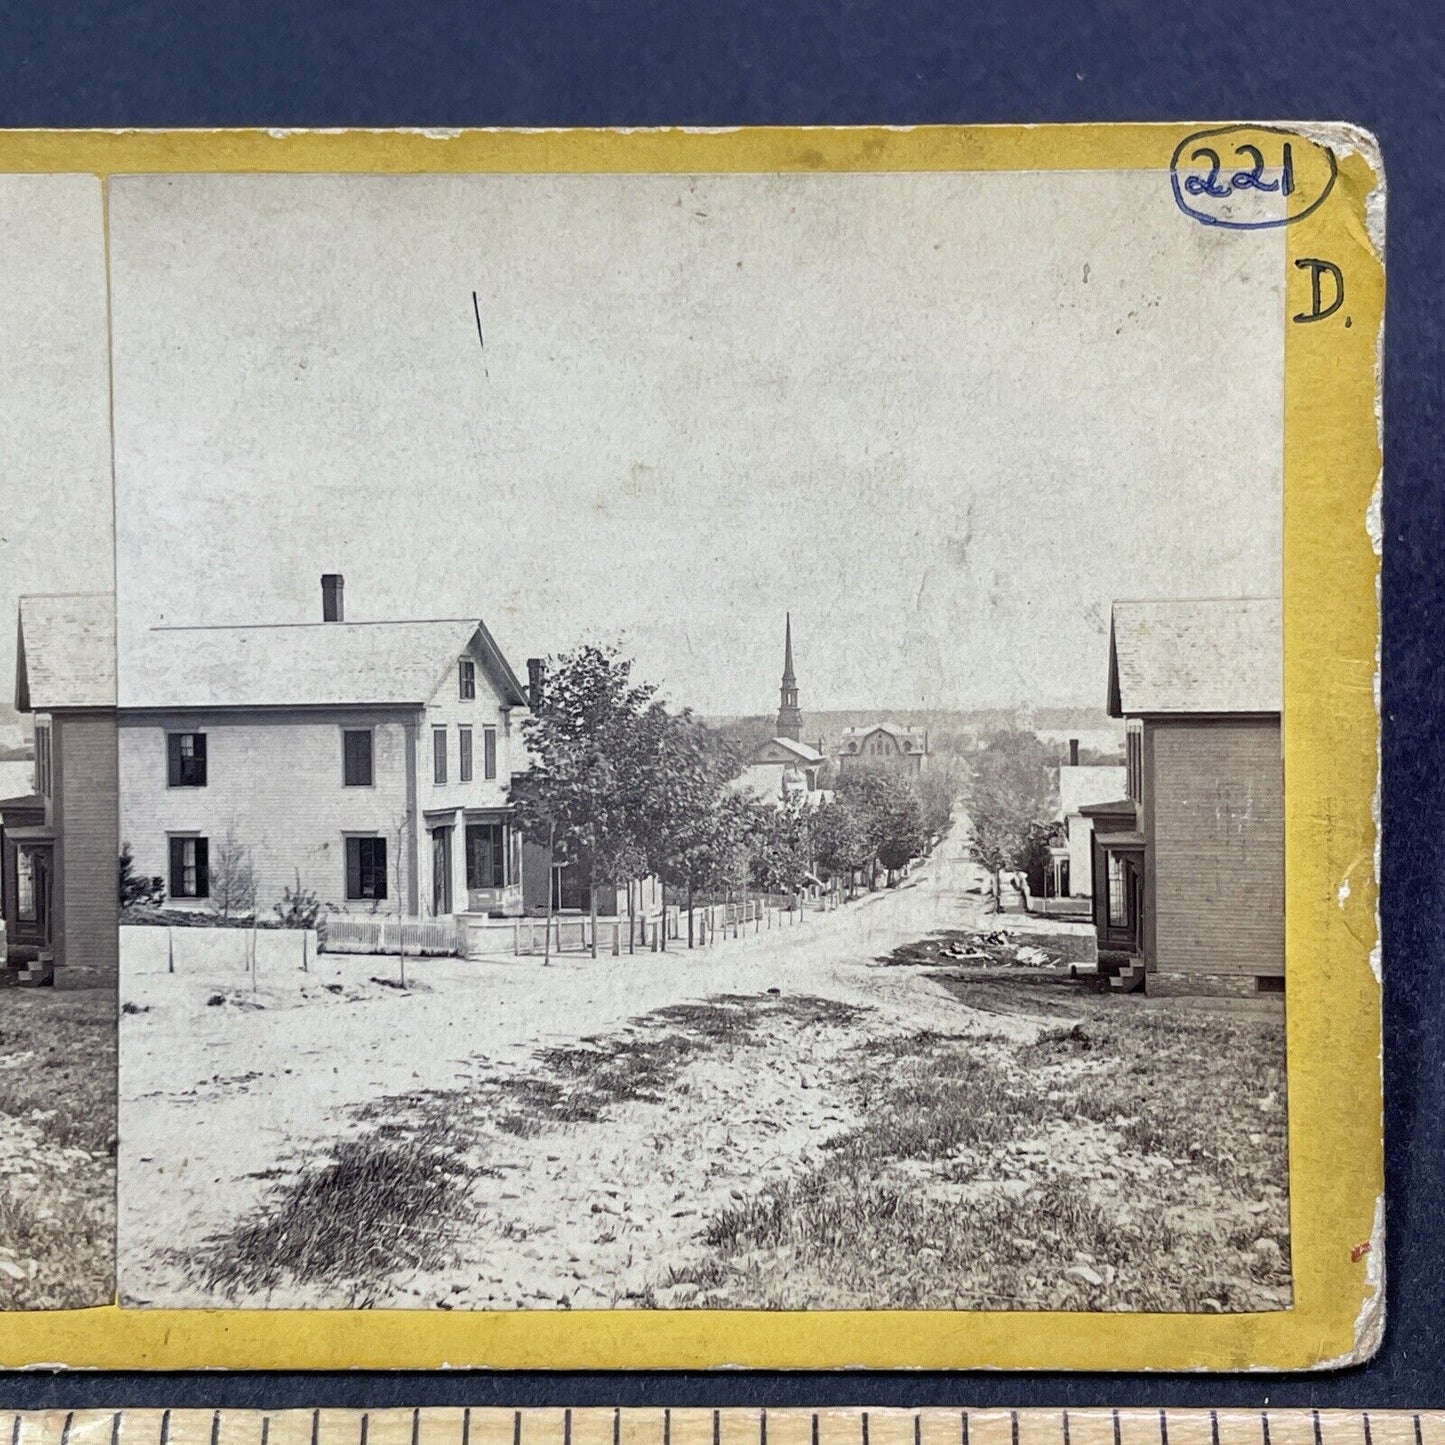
pixel 1189 865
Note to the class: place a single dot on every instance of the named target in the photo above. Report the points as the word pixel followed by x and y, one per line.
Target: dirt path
pixel 223 1104
pixel 817 1117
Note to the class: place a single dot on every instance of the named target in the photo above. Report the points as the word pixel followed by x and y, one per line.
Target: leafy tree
pixel 938 790
pixel 781 847
pixel 676 792
pixel 840 840
pixel 581 791
pixel 1014 787
pixel 891 816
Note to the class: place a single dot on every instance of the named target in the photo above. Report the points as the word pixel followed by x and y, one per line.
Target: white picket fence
pixel 573 933
pixel 377 933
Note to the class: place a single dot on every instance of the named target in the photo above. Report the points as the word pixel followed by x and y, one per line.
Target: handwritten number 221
pixel 1252 179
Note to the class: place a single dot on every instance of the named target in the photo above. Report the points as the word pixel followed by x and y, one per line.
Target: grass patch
pixel 381 1204
pixel 579 1083
pixel 57 1098
pixel 1129 1158
pixel 397 1197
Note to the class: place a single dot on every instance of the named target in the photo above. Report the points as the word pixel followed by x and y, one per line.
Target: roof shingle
pixel 307 664
pixel 1199 655
pixel 65 652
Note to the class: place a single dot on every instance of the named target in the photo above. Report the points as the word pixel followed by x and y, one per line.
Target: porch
pixel 475 859
pixel 27 849
pixel 1120 861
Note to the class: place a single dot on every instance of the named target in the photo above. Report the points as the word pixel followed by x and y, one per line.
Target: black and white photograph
pixel 58 827
pixel 689 742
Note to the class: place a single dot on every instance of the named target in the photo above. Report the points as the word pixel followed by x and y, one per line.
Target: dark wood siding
pixel 1214 805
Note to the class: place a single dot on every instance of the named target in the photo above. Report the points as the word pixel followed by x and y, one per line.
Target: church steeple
pixel 790 720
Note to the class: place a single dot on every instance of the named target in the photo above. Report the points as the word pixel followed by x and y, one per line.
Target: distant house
pixel 782 768
pixel 368 761
pixel 1080 786
pixel 59 839
pixel 882 745
pixel 1189 863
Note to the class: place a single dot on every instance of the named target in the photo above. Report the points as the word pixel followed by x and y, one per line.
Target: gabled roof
pixel 916 736
pixel 1202 655
pixel 801 751
pixel 309 664
pixel 65 651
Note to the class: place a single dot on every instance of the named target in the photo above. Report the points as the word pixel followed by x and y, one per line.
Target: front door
pixel 1124 917
pixel 441 871
pixel 570 893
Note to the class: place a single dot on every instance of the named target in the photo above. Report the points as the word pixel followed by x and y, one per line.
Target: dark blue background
pixel 620 62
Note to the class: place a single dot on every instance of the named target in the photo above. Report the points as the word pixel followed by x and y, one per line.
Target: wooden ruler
pixel 442 1426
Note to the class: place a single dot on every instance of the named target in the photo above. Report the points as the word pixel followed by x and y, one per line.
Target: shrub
pixel 299 907
pixel 136 890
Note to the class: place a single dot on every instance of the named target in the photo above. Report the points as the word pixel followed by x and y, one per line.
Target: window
pixel 486 855
pixel 190 868
pixel 356 757
pixel 365 868
pixel 24 885
pixel 489 752
pixel 42 760
pixel 1134 744
pixel 186 760
pixel 464 754
pixel 439 755
pixel 466 679
pixel 1118 897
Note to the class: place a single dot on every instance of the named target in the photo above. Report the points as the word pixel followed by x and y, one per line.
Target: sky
pixel 55 481
pixel 942 419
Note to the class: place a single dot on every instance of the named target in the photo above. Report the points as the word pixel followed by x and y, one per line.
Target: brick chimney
pixel 1073 752
pixel 536 670
pixel 333 608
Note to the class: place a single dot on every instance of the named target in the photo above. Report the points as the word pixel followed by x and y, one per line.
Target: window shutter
pixel 173 772
pixel 178 866
pixel 203 871
pixel 489 751
pixel 378 866
pixel 353 867
pixel 357 760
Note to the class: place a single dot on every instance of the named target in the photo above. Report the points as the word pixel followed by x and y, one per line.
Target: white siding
pixel 448 710
pixel 277 780
pixel 448 804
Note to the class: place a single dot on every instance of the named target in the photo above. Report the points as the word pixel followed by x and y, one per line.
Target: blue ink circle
pixel 1206 218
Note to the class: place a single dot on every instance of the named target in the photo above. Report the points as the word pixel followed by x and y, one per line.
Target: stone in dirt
pixel 1084 1275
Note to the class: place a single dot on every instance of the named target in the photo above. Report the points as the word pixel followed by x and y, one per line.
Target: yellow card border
pixel 1331 731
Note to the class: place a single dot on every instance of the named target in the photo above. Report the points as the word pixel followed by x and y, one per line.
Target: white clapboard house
pixel 368 761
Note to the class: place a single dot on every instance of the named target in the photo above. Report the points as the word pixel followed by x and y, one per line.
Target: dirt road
pixel 221 1103
pixel 796 1118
